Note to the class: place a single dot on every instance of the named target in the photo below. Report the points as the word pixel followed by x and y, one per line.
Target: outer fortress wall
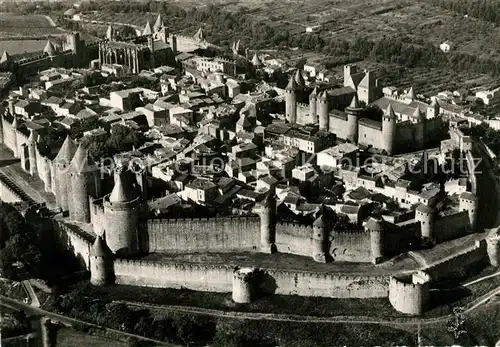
pixel 218 278
pixel 459 263
pixel 7 194
pixel 76 242
pixel 203 234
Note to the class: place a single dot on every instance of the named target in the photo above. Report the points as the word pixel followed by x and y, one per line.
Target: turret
pixel 268 223
pixel 324 119
pixel 147 29
pixel 245 285
pixel 110 33
pixel 320 240
pixel 375 227
pixel 256 62
pixel 199 36
pixel 425 215
pixel 433 110
pixel 419 118
pixel 15 148
pixel 121 212
pixel 389 130
pixel 353 111
pixel 32 141
pixel 172 40
pixel 74 44
pixel 101 263
pixel 49 49
pixel 158 23
pixel 291 101
pixel 151 45
pixel 312 105
pixel 349 69
pixel 469 202
pixel 6 60
pixel 493 247
pixel 61 163
pixel 299 79
pixel 84 180
pixel 411 94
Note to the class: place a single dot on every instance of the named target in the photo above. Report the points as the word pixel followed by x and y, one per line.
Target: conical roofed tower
pixel 49 49
pixel 291 100
pixel 84 181
pixel 5 58
pixel 256 60
pixel 101 263
pixel 299 79
pixel 147 29
pixel 158 23
pixel 61 163
pixel 121 211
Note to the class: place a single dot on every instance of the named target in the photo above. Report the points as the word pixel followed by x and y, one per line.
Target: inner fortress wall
pixel 369 135
pixel 451 227
pixel 203 234
pixel 217 278
pixel 350 246
pixel 294 239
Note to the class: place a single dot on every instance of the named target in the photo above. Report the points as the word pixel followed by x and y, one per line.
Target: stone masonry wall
pixel 451 227
pixel 203 234
pixel 217 278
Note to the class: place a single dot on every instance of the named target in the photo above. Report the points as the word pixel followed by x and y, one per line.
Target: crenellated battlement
pixel 198 220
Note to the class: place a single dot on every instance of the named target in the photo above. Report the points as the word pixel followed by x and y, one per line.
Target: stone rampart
pixel 451 227
pixel 410 295
pixel 219 278
pixel 77 242
pixel 7 194
pixel 203 234
pixel 294 238
pixel 457 264
pixel 351 246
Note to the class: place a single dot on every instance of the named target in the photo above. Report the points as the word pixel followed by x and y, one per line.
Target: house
pixel 446 46
pixel 344 153
pixel 201 191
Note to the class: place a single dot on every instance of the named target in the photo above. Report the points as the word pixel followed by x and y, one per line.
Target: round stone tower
pixel 469 202
pixel 268 223
pixel 32 140
pixel 312 105
pixel 389 130
pixel 419 118
pixel 324 120
pixel 425 215
pixel 493 247
pixel 353 111
pixel 101 263
pixel 15 148
pixel 84 180
pixel 320 240
pixel 61 163
pixel 375 227
pixel 245 284
pixel 410 294
pixel 121 212
pixel 291 101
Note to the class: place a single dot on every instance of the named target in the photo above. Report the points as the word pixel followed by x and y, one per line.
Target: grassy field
pixel 70 337
pixel 14 25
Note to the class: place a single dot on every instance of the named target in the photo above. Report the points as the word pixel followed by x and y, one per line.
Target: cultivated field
pixel 370 18
pixel 14 25
pixel 22 46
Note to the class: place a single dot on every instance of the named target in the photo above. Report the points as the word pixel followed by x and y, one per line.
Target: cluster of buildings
pixel 223 145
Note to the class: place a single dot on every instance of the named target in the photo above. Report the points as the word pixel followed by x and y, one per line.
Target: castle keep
pixel 404 122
